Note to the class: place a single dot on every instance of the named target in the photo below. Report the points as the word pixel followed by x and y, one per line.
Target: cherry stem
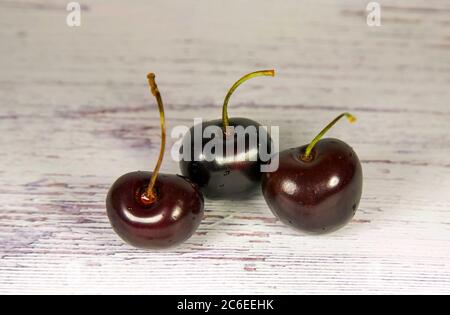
pixel 246 77
pixel 307 155
pixel 150 195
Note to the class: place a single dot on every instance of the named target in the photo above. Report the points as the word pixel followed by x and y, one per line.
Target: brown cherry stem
pixel 149 195
pixel 307 155
pixel 225 119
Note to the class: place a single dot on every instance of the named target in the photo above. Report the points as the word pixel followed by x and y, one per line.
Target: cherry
pixel 235 171
pixel 317 188
pixel 152 210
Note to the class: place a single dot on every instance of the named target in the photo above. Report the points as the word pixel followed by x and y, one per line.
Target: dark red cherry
pixel 170 220
pixel 316 192
pixel 227 175
pixel 152 210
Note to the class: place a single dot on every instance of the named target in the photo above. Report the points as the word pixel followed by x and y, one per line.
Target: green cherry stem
pixel 149 196
pixel 246 77
pixel 307 155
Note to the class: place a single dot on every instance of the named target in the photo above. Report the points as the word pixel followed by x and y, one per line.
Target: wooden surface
pixel 75 113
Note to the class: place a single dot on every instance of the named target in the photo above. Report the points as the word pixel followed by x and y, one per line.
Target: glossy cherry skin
pixel 317 196
pixel 225 177
pixel 168 221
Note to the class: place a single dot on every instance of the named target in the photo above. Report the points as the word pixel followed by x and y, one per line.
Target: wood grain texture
pixel 75 113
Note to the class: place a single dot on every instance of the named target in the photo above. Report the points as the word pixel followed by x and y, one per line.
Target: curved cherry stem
pixel 307 155
pixel 149 195
pixel 246 77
